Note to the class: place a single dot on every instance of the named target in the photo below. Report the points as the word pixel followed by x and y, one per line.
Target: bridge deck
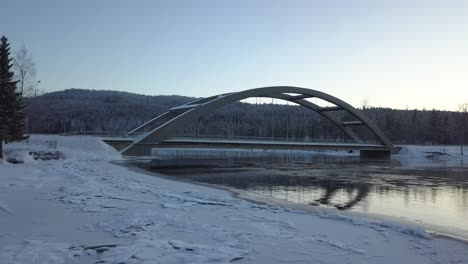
pixel 265 144
pixel 249 144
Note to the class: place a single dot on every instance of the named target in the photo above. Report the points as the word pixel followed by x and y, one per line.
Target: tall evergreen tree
pixel 11 106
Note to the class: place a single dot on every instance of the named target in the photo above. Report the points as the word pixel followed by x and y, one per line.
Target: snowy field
pixel 83 209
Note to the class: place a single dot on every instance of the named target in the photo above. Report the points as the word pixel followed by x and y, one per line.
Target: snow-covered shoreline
pixel 432 229
pixel 50 209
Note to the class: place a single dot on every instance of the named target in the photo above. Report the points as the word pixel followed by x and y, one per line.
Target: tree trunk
pixel 1 145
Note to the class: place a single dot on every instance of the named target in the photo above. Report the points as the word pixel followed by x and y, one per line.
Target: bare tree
pixel 463 108
pixel 365 103
pixel 25 71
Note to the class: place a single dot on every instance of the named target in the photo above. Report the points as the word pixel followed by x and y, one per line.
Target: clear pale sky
pixel 396 53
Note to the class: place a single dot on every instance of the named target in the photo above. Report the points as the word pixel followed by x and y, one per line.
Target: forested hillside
pixel 75 110
pixel 78 110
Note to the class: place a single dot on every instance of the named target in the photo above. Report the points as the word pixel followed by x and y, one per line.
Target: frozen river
pixel 432 191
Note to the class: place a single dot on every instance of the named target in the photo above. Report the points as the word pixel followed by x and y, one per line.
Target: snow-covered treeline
pixel 76 110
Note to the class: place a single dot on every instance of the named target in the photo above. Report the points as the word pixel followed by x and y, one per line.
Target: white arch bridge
pixel 159 132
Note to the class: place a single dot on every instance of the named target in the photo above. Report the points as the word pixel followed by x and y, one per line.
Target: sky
pixel 399 54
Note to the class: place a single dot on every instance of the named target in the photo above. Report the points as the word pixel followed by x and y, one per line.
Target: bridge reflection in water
pixel 278 174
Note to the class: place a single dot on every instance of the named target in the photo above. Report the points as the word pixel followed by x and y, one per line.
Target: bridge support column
pixel 375 154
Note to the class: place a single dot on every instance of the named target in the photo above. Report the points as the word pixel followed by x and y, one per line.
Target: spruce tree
pixel 11 106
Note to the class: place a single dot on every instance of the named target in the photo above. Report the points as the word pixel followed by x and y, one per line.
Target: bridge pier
pixel 375 154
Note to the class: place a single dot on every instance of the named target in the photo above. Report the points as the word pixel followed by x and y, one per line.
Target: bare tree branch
pixel 463 107
pixel 25 71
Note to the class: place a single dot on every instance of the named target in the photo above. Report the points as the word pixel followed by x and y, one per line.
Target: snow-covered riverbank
pixel 64 211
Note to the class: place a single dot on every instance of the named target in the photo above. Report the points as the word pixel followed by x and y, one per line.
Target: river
pixel 432 193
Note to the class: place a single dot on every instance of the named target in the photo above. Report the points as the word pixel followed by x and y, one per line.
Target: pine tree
pixel 16 128
pixel 11 106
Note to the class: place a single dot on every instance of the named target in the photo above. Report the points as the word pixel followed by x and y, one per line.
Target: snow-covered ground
pixel 432 156
pixel 83 209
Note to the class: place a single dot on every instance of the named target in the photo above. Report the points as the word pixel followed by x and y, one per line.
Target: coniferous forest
pixel 112 112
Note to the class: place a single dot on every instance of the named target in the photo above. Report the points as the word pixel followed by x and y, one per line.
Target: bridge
pixel 160 131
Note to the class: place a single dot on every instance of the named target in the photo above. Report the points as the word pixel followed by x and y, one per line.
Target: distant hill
pixel 80 109
pixel 76 110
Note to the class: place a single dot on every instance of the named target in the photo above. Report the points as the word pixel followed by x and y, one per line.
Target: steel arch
pixel 178 116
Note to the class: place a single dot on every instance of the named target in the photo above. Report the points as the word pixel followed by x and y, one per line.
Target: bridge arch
pixel 178 116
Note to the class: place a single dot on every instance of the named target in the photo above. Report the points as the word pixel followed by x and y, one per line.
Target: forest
pixel 116 113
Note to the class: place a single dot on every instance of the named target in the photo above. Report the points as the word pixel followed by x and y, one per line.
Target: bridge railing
pixel 99 133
